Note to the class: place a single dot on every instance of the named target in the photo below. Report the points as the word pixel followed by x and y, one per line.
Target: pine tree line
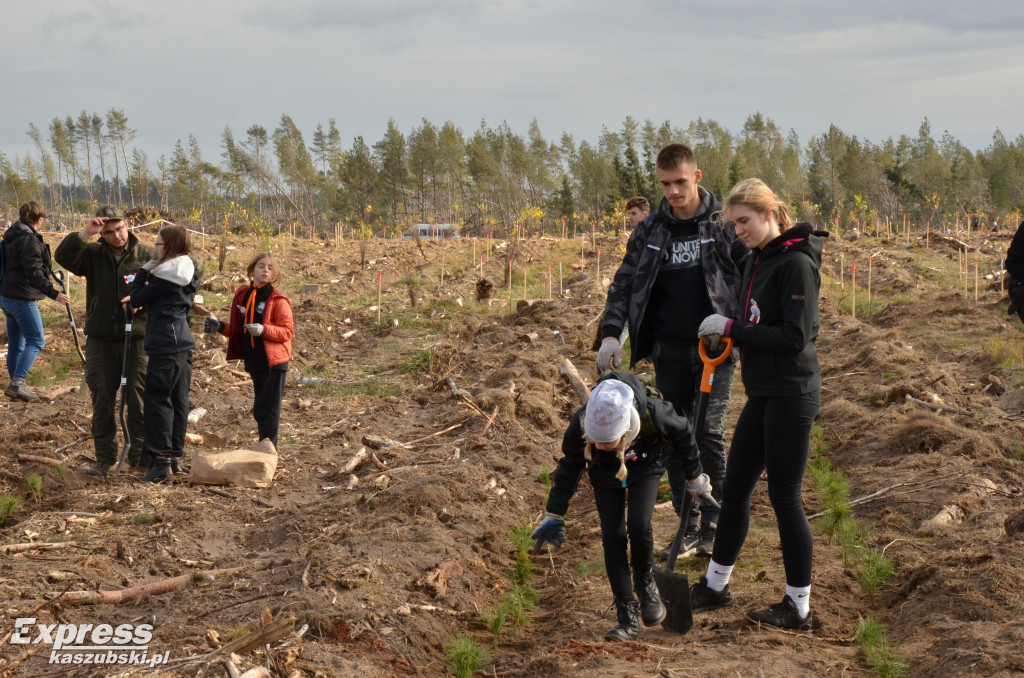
pixel 494 179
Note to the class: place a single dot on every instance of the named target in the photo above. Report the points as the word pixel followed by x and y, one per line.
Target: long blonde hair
pixel 756 195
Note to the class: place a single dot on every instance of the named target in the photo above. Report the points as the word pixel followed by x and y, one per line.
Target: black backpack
pixel 1 259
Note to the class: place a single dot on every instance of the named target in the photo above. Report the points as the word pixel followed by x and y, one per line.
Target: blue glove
pixel 211 325
pixel 551 530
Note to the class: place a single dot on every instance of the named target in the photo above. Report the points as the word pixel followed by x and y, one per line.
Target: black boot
pixel 19 391
pixel 627 612
pixel 652 611
pixel 159 471
pixel 175 466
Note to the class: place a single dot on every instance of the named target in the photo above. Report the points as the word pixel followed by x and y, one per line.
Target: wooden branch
pixel 463 396
pixel 355 461
pixel 377 462
pixel 19 548
pixel 937 408
pixel 276 630
pixel 569 373
pixel 150 589
pixel 64 390
pixel 432 435
pixel 41 460
pixel 487 426
pixel 17 661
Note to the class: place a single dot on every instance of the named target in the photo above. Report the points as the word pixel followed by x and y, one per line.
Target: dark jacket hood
pixel 708 206
pixel 800 238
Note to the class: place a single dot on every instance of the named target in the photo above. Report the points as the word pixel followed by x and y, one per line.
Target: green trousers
pixel 103 364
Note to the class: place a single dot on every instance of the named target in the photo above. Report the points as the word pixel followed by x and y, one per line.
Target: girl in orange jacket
pixel 260 332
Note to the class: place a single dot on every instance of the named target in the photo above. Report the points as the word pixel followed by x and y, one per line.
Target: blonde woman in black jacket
pixel 779 366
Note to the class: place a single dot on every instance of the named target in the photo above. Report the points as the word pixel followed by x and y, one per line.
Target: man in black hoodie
pixel 679 267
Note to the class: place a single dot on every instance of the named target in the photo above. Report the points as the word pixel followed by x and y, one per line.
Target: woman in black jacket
pixel 782 378
pixel 618 437
pixel 166 288
pixel 26 280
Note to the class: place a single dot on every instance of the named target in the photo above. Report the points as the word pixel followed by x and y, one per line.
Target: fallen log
pixel 569 373
pixel 150 589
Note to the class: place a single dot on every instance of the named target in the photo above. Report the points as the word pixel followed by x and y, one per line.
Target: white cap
pixel 609 411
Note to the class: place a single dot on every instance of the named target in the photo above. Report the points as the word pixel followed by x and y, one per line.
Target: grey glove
pixel 211 325
pixel 255 329
pixel 550 530
pixel 609 356
pixel 700 489
pixel 712 328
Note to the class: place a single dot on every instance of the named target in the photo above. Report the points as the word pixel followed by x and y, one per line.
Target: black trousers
pixel 772 434
pixel 266 404
pixel 678 370
pixel 167 385
pixel 618 525
pixel 103 364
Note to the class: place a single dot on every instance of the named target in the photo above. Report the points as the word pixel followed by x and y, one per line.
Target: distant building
pixel 432 231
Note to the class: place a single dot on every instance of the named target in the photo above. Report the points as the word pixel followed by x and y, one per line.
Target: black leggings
pixel 772 434
pixel 617 523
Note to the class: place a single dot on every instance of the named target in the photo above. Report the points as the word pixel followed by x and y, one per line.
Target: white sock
pixel 801 595
pixel 718 575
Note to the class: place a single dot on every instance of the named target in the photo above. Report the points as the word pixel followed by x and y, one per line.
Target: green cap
pixel 110 212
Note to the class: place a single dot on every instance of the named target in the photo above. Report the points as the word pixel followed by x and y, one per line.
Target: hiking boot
pixel 704 598
pixel 626 611
pixel 782 616
pixel 175 466
pixel 159 472
pixel 97 469
pixel 705 543
pixel 652 611
pixel 17 390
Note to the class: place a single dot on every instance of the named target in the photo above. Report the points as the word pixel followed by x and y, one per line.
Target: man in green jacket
pixel 107 266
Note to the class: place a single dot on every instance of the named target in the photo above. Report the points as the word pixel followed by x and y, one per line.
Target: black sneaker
pixel 782 616
pixel 704 598
pixel 691 538
pixel 705 543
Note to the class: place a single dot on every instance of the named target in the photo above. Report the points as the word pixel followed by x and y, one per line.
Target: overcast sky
pixel 875 68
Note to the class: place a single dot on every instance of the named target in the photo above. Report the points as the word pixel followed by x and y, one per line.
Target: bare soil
pixel 348 562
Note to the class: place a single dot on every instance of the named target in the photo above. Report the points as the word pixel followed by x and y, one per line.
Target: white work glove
pixel 609 356
pixel 700 489
pixel 255 329
pixel 711 330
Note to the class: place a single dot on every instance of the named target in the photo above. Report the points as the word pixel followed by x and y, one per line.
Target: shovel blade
pixel 675 592
pixel 83 390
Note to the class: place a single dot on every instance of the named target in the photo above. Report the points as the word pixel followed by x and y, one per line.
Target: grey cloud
pixel 312 15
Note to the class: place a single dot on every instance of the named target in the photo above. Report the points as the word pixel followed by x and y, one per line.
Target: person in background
pixel 620 437
pixel 107 265
pixel 775 332
pixel 166 288
pixel 260 332
pixel 1015 269
pixel 637 209
pixel 678 268
pixel 26 280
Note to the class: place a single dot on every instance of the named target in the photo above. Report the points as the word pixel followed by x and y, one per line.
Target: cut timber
pixel 569 373
pixel 64 390
pixel 436 581
pixel 150 589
